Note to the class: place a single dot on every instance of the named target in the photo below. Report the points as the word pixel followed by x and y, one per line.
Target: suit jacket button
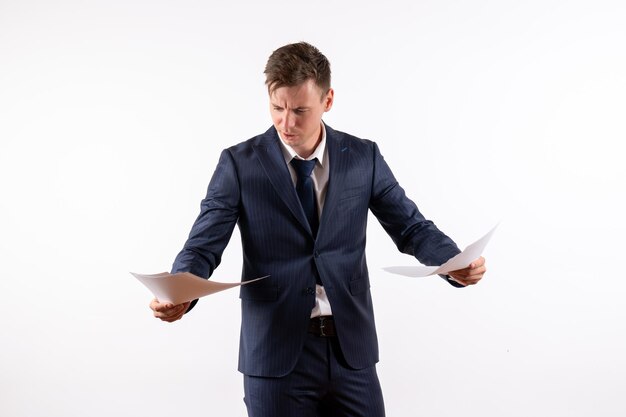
pixel 316 254
pixel 310 291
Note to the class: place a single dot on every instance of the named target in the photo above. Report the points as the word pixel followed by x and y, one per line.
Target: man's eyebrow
pixel 278 106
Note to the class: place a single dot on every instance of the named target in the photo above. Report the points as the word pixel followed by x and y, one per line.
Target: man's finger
pixel 457 280
pixel 166 315
pixel 477 263
pixel 163 307
pixel 174 317
pixel 477 271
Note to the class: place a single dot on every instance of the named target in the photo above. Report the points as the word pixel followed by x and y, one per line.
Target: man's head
pixel 298 82
pixel 294 64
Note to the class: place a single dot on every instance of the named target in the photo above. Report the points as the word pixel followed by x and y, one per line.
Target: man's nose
pixel 288 121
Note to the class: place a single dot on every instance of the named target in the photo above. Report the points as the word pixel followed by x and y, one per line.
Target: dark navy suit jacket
pixel 252 187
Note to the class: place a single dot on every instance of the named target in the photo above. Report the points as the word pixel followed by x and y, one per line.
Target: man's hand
pixel 168 311
pixel 470 275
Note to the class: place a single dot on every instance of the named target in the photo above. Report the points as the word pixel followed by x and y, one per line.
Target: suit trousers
pixel 320 385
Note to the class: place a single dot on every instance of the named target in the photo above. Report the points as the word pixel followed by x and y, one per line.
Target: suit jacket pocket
pixel 353 192
pixel 259 293
pixel 359 285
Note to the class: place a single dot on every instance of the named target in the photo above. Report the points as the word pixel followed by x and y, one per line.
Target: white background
pixel 112 117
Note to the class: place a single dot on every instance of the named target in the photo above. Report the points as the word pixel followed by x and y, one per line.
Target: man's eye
pixel 299 111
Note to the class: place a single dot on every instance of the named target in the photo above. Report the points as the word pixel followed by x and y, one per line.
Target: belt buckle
pixel 322 325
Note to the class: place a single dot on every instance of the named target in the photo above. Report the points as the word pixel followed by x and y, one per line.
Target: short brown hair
pixel 294 64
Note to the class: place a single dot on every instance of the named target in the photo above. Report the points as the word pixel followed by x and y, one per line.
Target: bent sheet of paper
pixel 460 261
pixel 184 286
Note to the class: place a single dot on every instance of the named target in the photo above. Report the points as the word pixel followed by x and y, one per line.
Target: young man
pixel 301 193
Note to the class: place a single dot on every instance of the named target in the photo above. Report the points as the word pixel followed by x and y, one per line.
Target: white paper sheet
pixel 460 261
pixel 184 286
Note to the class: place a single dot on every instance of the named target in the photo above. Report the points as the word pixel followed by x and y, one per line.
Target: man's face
pixel 297 114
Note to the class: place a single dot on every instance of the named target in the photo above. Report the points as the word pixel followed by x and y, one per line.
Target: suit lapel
pixel 273 162
pixel 339 157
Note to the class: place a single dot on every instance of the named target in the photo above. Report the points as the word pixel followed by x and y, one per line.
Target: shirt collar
pixel 318 153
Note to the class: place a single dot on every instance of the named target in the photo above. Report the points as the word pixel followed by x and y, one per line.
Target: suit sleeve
pixel 211 231
pixel 412 233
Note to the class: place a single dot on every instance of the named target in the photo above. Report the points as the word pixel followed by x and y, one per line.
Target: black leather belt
pixel 322 326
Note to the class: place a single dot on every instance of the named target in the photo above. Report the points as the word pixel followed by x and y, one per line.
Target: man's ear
pixel 328 99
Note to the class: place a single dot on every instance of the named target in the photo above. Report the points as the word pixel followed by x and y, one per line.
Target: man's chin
pixel 290 138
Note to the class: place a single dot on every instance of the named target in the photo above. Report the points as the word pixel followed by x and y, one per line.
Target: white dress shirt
pixel 320 185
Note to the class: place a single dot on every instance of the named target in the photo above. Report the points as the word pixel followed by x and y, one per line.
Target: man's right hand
pixel 168 311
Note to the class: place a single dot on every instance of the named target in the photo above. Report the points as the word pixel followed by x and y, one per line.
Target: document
pixel 460 261
pixel 184 286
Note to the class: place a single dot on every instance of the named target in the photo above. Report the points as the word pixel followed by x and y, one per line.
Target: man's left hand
pixel 470 275
pixel 168 311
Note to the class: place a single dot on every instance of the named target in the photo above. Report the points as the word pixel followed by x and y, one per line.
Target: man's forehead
pixel 297 95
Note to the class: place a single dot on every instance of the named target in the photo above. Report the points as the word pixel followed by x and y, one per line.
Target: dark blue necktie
pixel 306 191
